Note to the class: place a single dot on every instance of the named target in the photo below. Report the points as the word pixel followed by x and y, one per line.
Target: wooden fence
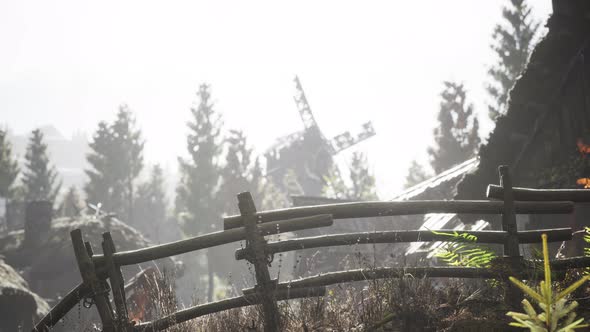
pixel 252 226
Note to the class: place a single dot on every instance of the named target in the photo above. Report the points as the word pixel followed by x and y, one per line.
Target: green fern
pixel 587 249
pixel 462 250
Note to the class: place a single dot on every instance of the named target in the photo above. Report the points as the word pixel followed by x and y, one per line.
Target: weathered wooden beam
pixel 511 247
pixel 332 278
pixel 211 240
pixel 227 304
pixel 256 245
pixel 98 291
pixel 58 311
pixel 570 263
pixel 527 194
pixel 347 239
pixel 397 208
pixel 117 284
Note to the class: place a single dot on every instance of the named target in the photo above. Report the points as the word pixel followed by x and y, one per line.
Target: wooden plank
pixel 527 194
pixel 98 291
pixel 211 240
pixel 511 246
pixel 117 284
pixel 227 304
pixel 58 311
pixel 397 208
pixel 509 214
pixel 256 245
pixel 347 239
pixel 570 263
pixel 332 278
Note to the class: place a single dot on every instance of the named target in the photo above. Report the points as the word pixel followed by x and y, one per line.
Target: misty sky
pixel 71 63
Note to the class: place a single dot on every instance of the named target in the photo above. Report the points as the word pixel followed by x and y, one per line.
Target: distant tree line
pixel 456 136
pixel 218 165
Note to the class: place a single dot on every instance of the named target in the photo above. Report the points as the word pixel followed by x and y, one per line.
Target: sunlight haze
pixel 72 63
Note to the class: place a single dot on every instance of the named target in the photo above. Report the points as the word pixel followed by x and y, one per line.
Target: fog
pixel 71 64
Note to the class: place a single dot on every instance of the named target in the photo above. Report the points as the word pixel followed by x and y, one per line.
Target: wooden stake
pixel 117 284
pixel 90 279
pixel 511 246
pixel 256 243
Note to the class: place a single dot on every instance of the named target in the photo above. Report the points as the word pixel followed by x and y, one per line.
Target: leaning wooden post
pixel 256 243
pixel 511 246
pixel 99 293
pixel 117 284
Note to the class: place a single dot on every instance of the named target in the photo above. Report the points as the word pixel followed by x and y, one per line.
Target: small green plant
pixel 558 313
pixel 462 250
pixel 587 249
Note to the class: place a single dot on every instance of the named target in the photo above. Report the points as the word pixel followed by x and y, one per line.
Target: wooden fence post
pixel 256 244
pixel 117 284
pixel 511 246
pixel 99 292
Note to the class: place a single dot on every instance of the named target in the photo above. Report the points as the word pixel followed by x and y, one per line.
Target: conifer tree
pixel 416 174
pixel 456 136
pixel 116 160
pixel 103 187
pixel 196 204
pixel 512 45
pixel 238 174
pixel 8 167
pixel 128 156
pixel 200 173
pixel 362 182
pixel 151 205
pixel 71 205
pixel 40 179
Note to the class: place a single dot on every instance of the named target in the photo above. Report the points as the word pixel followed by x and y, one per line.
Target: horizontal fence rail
pixel 571 263
pixel 526 194
pixel 332 278
pixel 397 208
pixel 347 239
pixel 231 303
pixel 213 239
pixel 58 311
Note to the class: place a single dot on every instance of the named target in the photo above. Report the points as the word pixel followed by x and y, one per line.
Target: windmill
pixel 298 162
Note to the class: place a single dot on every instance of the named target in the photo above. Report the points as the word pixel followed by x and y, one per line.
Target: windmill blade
pixel 345 140
pixel 303 106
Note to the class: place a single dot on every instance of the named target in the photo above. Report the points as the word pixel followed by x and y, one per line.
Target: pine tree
pixel 416 174
pixel 238 174
pixel 102 186
pixel 512 45
pixel 40 179
pixel 128 157
pixel 456 136
pixel 196 204
pixel 8 167
pixel 116 160
pixel 71 205
pixel 362 181
pixel 335 187
pixel 151 205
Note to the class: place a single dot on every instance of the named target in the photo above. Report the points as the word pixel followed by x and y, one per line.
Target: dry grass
pixel 401 304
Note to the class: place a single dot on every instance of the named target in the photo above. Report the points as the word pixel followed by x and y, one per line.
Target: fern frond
pixel 462 250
